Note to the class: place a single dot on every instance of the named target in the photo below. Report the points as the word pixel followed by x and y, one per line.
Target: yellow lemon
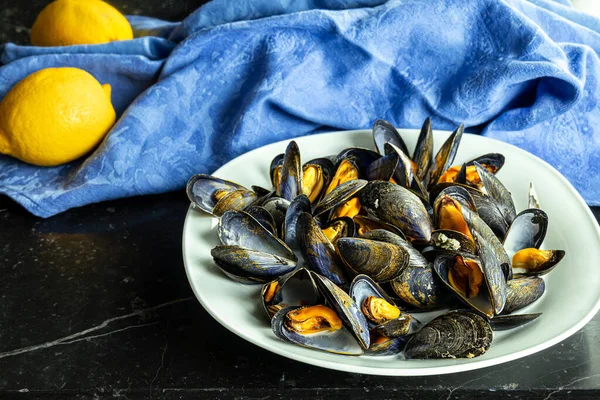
pixel 54 116
pixel 70 22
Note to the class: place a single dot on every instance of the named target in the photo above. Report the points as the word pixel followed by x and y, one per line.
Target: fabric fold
pixel 236 76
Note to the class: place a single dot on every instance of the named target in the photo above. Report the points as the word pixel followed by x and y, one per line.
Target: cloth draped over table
pixel 236 75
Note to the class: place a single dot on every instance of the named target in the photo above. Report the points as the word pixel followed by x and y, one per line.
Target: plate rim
pixel 423 371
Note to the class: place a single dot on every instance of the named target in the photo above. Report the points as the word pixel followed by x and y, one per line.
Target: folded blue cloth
pixel 237 75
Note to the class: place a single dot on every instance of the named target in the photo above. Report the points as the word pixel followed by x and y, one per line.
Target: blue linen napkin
pixel 237 75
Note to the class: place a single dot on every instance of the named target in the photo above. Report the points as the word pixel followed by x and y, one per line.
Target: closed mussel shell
pixel 380 260
pixel 421 288
pixel 294 289
pixel 404 325
pixel 397 206
pixel 341 341
pixel 456 334
pixel 301 204
pixel 238 228
pixel 521 292
pixel 250 266
pixel 318 253
pixel 416 259
pixel 453 241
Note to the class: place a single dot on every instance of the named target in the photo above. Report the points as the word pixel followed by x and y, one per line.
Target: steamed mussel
pixel 351 247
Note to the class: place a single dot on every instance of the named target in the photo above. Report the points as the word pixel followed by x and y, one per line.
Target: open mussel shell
pixel 297 288
pixel 383 169
pixel 341 341
pixel 299 205
pixel 340 194
pixel 385 346
pixel 204 191
pixel 380 260
pixel 498 192
pixel 416 259
pixel 366 224
pixel 506 322
pixel 318 253
pixel 277 207
pixel 275 171
pixel 423 155
pixel 496 254
pixel 361 157
pixel 467 173
pixel 314 181
pixel 339 228
pixel 236 200
pixel 456 334
pixel 494 271
pixel 444 157
pixel 404 173
pixel 453 241
pixel 484 205
pixel 264 217
pixel 482 300
pixel 527 230
pixel 521 292
pixel 238 228
pixel 290 185
pixel 250 266
pixel 346 308
pixel 535 262
pixel 362 287
pixel 384 132
pixel 458 193
pixel 397 206
pixel 532 197
pixel 421 288
pixel 327 167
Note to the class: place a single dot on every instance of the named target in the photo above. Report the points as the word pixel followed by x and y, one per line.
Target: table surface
pixel 95 304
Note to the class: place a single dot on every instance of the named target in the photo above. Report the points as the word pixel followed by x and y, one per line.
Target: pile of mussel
pixel 351 247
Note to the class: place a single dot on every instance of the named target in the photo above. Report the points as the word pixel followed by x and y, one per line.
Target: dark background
pixel 95 304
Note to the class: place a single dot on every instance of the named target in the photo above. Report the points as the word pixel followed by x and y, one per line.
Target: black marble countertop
pixel 95 303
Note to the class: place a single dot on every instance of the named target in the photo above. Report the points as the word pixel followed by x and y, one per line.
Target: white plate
pixel 572 295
